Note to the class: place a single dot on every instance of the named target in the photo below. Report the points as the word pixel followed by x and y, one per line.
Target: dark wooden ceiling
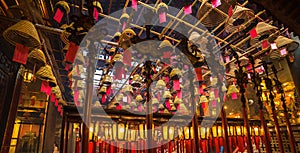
pixel 40 11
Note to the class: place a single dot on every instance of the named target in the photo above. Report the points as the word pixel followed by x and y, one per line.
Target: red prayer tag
pixel 72 52
pixel 56 102
pixel 167 54
pixel 215 3
pixel 58 15
pixel 59 108
pixel 188 9
pixel 176 85
pixel 162 17
pixel 96 14
pixel 198 72
pixel 127 57
pixel 134 5
pixel 230 12
pixel 265 44
pixel 21 54
pixel 53 97
pixel 124 26
pixel 253 33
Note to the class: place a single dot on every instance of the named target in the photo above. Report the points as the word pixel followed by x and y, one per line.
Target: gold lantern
pixel 28 76
pixel 107 80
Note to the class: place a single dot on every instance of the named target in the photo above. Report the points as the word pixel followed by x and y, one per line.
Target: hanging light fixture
pixel 28 76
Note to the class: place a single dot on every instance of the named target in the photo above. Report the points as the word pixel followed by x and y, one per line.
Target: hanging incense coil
pixel 124 18
pixel 45 73
pixel 23 33
pixel 37 56
pixel 240 16
pixel 165 45
pixel 167 95
pixel 213 18
pixel 127 89
pixel 175 73
pixel 160 84
pixel 102 90
pixel 275 54
pixel 289 44
pixel 263 30
pixel 107 80
pixel 125 38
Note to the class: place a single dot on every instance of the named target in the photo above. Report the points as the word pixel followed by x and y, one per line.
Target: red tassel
pixel 217 144
pixel 77 147
pixel 204 146
pixel 198 72
pixel 72 52
pixel 20 54
pixel 176 85
pixel 58 15
pixel 241 143
pixel 188 146
pixel 91 147
pixel 96 14
pixel 188 9
pixel 127 58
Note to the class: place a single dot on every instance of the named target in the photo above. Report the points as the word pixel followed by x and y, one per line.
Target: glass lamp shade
pixel 186 132
pixel 28 76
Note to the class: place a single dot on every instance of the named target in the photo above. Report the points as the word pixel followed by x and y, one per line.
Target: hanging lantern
pixel 107 81
pixel 239 19
pixel 161 10
pixel 61 9
pixel 125 38
pixel 233 91
pixel 28 76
